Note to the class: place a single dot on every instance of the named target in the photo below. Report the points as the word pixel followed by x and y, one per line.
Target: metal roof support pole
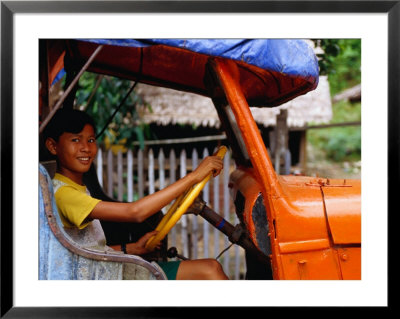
pixel 70 87
pixel 227 73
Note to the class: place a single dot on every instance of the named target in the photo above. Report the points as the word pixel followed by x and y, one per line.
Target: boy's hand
pixel 139 248
pixel 211 164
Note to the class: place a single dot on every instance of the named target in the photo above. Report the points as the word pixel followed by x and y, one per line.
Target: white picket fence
pixel 128 176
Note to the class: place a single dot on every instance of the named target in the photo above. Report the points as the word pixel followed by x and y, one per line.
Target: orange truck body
pixel 314 223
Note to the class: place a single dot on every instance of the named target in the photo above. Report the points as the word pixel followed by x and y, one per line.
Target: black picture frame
pixel 9 8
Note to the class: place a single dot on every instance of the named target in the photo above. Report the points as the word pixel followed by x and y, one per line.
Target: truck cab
pixel 295 227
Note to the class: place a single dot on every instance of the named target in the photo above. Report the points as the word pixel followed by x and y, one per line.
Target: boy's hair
pixel 67 120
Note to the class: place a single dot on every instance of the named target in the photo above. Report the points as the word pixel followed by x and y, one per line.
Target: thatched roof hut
pixel 171 107
pixel 352 94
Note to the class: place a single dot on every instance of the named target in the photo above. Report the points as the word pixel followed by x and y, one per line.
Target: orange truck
pixel 291 227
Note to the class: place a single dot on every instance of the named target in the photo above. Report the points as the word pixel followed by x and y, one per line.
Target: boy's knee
pixel 201 269
pixel 215 265
pixel 214 269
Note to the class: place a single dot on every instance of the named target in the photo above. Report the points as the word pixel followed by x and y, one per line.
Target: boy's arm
pixel 145 207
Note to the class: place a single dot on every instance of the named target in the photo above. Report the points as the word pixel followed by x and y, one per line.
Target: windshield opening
pixel 236 132
pixel 232 131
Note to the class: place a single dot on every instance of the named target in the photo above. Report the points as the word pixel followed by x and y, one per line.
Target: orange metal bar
pixel 301 244
pixel 228 74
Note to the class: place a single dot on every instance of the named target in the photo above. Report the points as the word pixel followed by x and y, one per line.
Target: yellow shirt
pixel 74 202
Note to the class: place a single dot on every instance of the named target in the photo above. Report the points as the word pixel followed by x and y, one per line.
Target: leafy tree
pixel 100 96
pixel 341 61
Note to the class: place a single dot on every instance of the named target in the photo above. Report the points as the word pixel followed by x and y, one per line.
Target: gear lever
pixel 173 252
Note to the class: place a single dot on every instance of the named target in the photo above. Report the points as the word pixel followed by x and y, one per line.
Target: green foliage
pixel 341 61
pixel 340 143
pixel 344 111
pixel 100 96
pixel 331 50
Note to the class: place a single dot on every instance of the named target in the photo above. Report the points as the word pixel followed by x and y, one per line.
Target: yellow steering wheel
pixel 179 207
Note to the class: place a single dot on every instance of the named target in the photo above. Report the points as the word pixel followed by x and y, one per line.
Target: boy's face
pixel 75 152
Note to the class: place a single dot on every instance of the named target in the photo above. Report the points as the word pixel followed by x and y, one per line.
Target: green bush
pixel 340 143
pixel 341 61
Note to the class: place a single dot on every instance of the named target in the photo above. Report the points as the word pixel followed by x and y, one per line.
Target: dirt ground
pixel 318 165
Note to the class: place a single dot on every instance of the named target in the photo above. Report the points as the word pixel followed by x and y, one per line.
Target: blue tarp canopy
pixel 272 71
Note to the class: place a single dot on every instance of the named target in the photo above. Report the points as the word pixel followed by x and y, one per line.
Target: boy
pixel 71 137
